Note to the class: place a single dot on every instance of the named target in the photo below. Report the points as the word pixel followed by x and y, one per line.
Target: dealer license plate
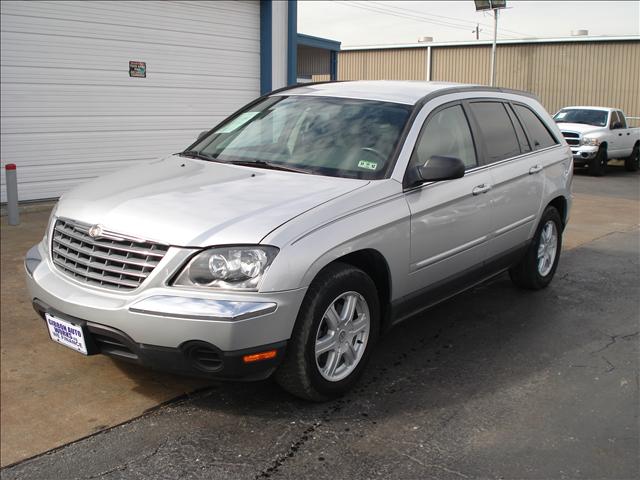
pixel 66 333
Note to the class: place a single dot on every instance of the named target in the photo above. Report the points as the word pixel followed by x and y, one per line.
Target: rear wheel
pixel 598 165
pixel 334 334
pixel 632 162
pixel 537 268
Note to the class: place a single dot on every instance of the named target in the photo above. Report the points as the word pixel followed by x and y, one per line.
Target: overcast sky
pixel 372 22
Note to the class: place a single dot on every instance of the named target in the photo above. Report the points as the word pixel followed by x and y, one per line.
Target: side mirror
pixel 441 168
pixel 202 134
pixel 436 168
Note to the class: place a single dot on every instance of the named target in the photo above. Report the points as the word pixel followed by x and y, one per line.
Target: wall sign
pixel 138 69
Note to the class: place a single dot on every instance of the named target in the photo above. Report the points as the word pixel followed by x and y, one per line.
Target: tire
pixel 531 273
pixel 632 162
pixel 307 375
pixel 598 166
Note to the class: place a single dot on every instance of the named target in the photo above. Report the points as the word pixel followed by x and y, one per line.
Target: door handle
pixel 619 134
pixel 481 189
pixel 535 169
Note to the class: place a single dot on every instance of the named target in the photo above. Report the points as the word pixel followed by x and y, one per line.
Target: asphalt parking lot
pixel 495 383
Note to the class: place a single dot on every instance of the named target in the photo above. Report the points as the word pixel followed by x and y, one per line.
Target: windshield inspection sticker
pixel 367 165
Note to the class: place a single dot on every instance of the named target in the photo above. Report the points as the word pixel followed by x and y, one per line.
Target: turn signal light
pixel 256 357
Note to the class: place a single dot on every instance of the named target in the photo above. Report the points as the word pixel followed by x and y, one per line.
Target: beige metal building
pixel 602 71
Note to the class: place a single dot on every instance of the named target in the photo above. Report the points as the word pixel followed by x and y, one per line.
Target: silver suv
pixel 290 237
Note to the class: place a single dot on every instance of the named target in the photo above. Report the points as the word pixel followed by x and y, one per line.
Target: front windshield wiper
pixel 196 154
pixel 269 165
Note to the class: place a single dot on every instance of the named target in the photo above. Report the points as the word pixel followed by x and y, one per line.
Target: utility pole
pixel 477 31
pixel 493 47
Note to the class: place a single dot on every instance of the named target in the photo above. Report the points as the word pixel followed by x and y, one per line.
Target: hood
pixel 578 127
pixel 187 202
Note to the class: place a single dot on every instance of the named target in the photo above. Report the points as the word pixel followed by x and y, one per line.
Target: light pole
pixel 493 47
pixel 494 5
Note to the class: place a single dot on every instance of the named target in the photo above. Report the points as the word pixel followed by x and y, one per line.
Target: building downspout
pixel 265 47
pixel 428 64
pixel 292 42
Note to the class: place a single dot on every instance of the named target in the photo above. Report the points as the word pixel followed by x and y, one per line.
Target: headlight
pixel 594 142
pixel 239 267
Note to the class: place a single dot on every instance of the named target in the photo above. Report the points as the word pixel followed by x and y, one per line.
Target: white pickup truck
pixel 598 134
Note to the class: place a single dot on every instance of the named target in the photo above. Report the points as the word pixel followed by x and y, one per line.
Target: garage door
pixel 70 110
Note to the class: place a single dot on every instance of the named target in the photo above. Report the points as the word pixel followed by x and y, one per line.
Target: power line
pixel 415 12
pixel 413 17
pixel 425 16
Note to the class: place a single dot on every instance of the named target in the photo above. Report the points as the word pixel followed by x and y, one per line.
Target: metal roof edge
pixel 619 38
pixel 318 42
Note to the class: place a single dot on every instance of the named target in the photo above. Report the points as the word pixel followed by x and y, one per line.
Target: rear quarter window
pixel 539 135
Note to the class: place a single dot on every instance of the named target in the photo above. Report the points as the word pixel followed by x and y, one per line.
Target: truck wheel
pixel 632 162
pixel 335 332
pixel 536 269
pixel 598 166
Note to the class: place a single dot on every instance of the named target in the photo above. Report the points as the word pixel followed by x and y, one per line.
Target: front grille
pixel 121 264
pixel 572 138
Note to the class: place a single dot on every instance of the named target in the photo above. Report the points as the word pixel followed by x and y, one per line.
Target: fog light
pixel 256 357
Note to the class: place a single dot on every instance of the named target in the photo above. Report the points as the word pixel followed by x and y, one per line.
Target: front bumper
pixel 160 324
pixel 583 153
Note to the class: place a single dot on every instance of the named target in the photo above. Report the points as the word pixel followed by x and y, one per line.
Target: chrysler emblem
pixel 95 231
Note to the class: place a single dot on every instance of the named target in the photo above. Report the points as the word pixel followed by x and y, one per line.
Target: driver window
pixel 446 134
pixel 614 120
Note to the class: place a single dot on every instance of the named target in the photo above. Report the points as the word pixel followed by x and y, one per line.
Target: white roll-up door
pixel 70 110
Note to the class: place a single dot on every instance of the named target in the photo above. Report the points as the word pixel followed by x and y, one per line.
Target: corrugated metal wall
pixel 71 112
pixel 392 64
pixel 561 74
pixel 314 61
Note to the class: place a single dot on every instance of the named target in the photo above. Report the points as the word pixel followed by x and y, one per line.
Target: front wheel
pixel 334 334
pixel 536 269
pixel 598 165
pixel 632 162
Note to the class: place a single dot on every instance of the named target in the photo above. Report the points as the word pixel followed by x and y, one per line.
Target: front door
pixel 450 220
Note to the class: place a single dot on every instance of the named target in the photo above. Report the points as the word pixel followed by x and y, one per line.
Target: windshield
pixel 597 118
pixel 328 136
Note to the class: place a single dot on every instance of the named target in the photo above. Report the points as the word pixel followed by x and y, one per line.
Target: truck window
pixel 623 121
pixel 497 131
pixel 613 120
pixel 538 132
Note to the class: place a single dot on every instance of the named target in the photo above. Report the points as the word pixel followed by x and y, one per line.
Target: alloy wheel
pixel 547 248
pixel 342 336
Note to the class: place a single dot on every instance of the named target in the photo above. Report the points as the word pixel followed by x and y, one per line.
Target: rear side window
pixel 538 132
pixel 522 138
pixel 446 134
pixel 497 130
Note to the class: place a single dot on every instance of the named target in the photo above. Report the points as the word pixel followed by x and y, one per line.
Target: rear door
pixel 450 220
pixel 622 138
pixel 616 135
pixel 515 168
